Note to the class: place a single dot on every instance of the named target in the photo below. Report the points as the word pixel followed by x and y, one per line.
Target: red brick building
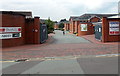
pixel 67 26
pixel 110 29
pixel 19 28
pixel 77 23
pixel 85 28
pixel 72 23
pixel 56 26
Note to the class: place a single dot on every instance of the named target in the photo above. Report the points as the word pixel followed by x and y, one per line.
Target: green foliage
pixel 75 32
pixel 63 20
pixel 50 26
pixel 61 25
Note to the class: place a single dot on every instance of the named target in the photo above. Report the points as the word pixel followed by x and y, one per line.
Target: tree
pixel 50 26
pixel 61 25
pixel 63 20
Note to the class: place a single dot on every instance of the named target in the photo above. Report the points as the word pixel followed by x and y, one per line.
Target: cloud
pixel 57 9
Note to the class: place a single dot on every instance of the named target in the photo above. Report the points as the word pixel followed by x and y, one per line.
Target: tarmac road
pixel 59 38
pixel 91 65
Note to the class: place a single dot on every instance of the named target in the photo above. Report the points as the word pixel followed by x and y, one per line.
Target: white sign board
pixel 114 28
pixel 10 29
pixel 100 30
pixel 10 35
pixel 83 27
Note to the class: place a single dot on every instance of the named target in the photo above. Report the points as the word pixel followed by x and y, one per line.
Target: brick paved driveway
pixel 60 45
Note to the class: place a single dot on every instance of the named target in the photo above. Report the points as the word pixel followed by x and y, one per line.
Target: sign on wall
pixel 10 29
pixel 10 35
pixel 83 27
pixel 10 32
pixel 100 30
pixel 114 28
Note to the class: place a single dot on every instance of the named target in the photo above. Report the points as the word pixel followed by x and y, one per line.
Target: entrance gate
pixel 98 31
pixel 43 33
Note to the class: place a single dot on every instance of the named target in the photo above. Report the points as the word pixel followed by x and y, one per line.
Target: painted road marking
pixel 67 57
pixel 6 61
pixel 108 55
pixel 73 57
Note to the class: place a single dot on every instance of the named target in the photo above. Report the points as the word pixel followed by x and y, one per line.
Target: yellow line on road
pixel 7 61
pixel 108 55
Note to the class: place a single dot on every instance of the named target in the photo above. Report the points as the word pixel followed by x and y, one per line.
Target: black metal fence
pixel 43 33
pixel 98 31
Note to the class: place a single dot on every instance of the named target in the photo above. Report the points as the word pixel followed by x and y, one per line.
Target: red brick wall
pixel 71 26
pixel 76 26
pixel 36 30
pixel 32 33
pixel 13 21
pixel 67 26
pixel 105 31
pixel 90 29
pixel 29 31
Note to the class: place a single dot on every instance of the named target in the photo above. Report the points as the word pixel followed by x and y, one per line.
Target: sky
pixel 60 9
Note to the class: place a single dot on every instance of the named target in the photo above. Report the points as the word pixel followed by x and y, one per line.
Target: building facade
pixel 77 23
pixel 19 28
pixel 110 29
pixel 66 26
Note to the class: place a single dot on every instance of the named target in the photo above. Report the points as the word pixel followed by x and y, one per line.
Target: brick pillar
pixel 105 28
pixel 72 27
pixel 69 26
pixel 36 30
pixel 78 22
pixel 79 29
pixel 65 26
